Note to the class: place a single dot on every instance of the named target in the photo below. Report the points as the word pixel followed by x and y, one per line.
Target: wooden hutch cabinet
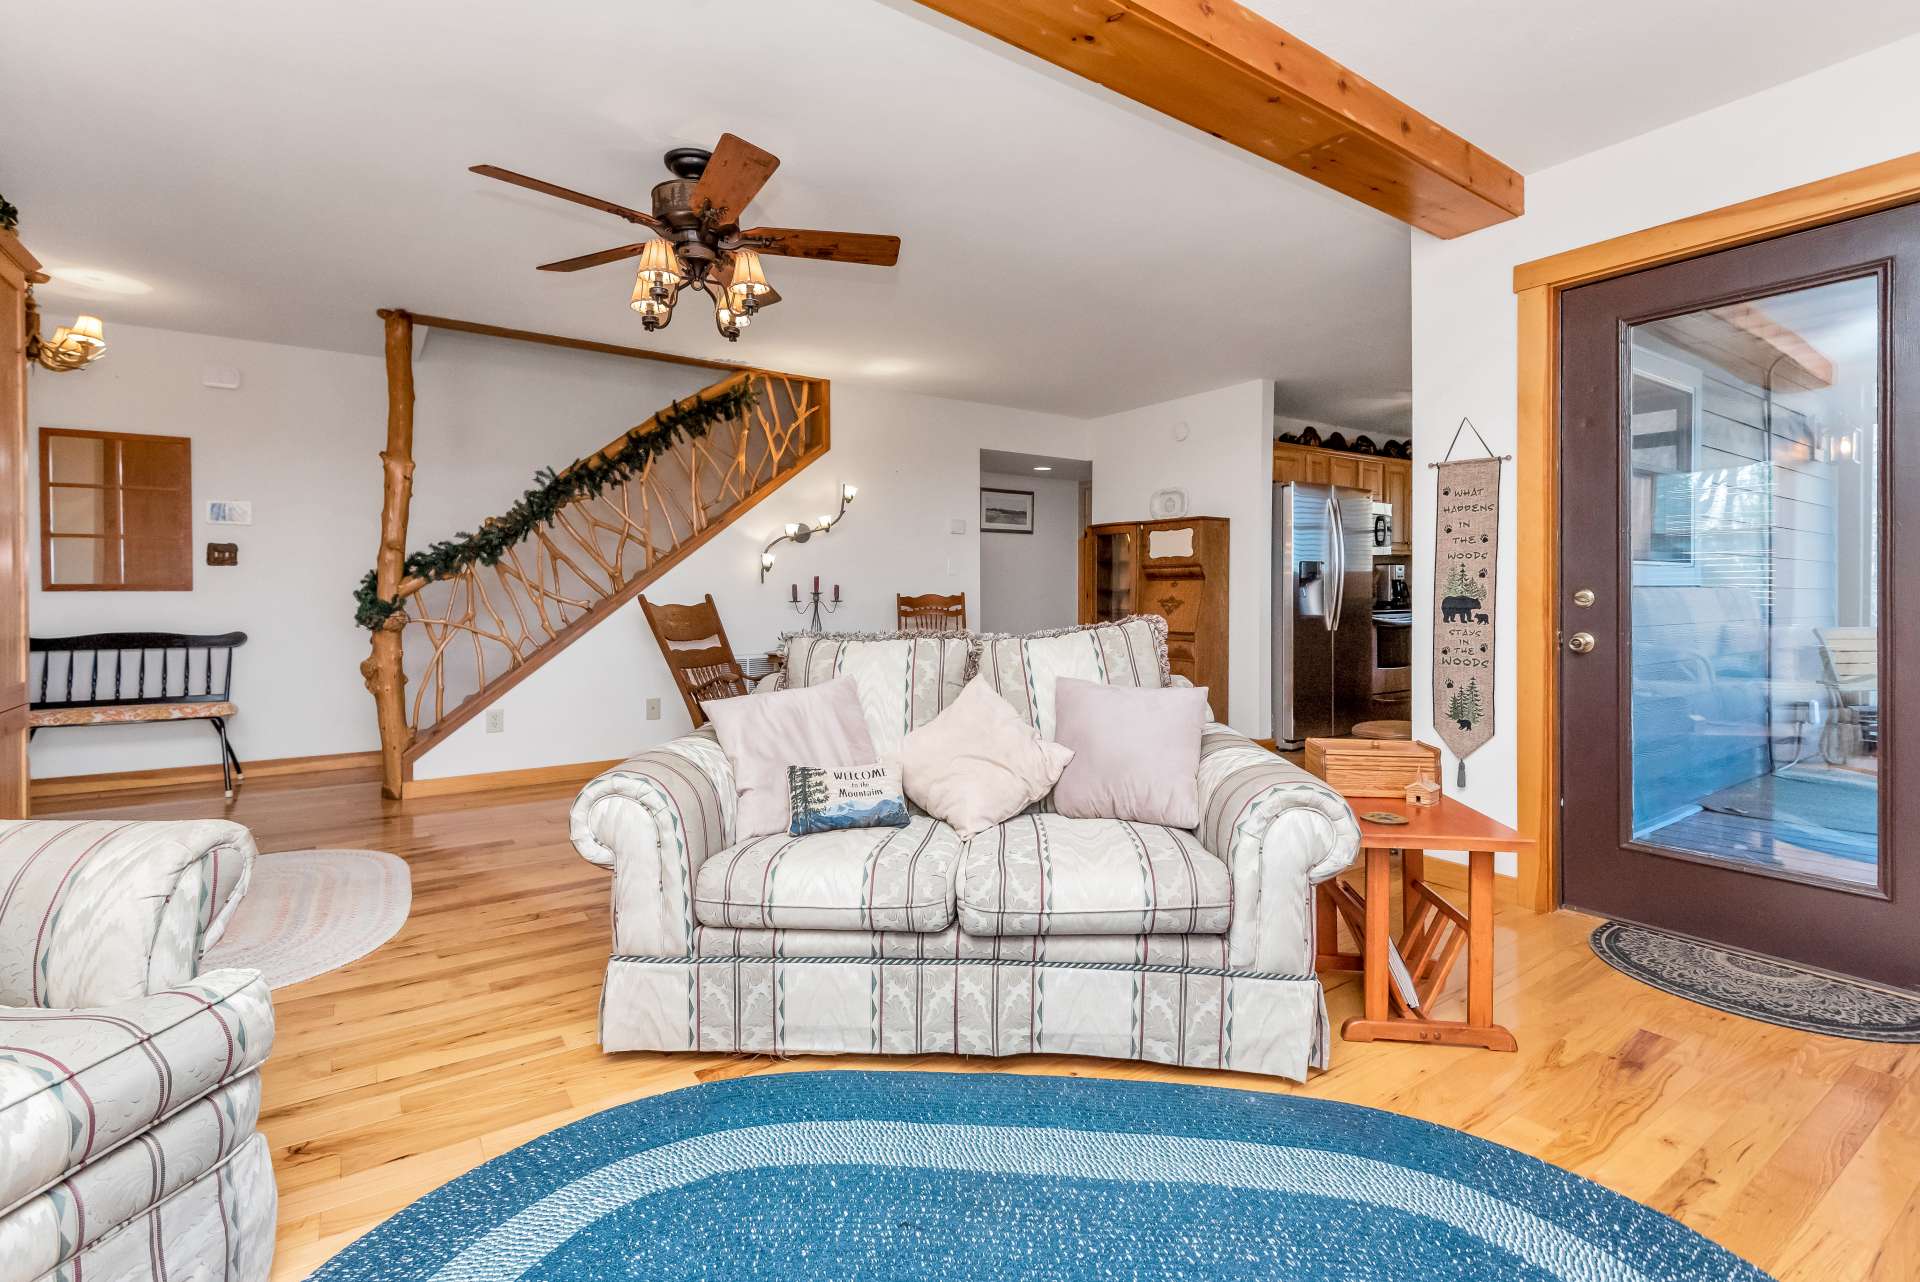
pixel 1175 569
pixel 1389 480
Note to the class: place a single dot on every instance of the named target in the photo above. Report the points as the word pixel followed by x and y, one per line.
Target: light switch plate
pixel 653 709
pixel 959 526
pixel 224 377
pixel 496 720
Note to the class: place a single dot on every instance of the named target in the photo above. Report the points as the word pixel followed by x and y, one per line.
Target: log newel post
pixel 385 675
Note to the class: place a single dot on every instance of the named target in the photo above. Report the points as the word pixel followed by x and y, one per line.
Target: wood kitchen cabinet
pixel 1175 569
pixel 1389 480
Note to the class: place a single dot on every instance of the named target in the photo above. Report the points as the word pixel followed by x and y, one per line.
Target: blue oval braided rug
pixel 962 1177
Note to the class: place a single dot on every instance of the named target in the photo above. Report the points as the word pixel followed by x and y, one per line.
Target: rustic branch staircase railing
pixel 459 642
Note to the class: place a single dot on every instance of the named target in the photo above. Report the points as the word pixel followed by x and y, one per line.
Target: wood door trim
pixel 1537 286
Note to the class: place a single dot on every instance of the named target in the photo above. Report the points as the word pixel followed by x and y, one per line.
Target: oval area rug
pixel 966 1177
pixel 1742 983
pixel 307 912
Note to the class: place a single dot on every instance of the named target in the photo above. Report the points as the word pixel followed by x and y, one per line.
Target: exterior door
pixel 1740 500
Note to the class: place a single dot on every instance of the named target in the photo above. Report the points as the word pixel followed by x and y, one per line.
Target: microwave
pixel 1383 525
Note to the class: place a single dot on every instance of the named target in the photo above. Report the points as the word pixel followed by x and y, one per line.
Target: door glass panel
pixel 1753 458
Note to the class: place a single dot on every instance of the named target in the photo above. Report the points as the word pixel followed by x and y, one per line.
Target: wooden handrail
pixel 489 627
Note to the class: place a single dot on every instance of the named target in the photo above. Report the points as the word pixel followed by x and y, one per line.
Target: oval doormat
pixel 968 1177
pixel 307 912
pixel 1757 987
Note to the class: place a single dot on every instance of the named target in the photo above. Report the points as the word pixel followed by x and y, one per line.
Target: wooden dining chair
pixel 697 653
pixel 931 612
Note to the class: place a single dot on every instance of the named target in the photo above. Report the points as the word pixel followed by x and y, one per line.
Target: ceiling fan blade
pixel 832 246
pixel 567 193
pixel 734 176
pixel 595 260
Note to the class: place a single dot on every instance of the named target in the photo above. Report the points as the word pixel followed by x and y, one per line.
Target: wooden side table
pixel 1433 932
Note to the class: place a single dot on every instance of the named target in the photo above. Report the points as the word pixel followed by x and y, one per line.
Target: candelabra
pixel 814 604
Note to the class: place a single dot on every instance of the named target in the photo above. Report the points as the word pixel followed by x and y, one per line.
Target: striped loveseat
pixel 1045 934
pixel 129 1079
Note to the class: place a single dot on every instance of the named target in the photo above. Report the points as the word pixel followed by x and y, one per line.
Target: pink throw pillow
pixel 763 734
pixel 1136 752
pixel 978 763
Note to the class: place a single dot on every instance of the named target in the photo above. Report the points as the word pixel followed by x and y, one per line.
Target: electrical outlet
pixel 653 709
pixel 496 720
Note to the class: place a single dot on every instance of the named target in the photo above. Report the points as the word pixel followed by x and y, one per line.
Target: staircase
pixel 468 638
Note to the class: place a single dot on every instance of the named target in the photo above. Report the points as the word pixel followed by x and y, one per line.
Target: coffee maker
pixel 1390 586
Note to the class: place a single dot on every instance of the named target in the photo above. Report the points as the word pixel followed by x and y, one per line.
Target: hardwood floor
pixel 472 1031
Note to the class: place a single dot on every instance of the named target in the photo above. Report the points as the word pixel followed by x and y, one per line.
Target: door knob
pixel 1580 643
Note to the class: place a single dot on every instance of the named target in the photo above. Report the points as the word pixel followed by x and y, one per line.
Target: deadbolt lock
pixel 1581 643
pixel 1583 598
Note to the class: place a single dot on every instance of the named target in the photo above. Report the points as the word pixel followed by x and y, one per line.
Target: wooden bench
pixel 118 678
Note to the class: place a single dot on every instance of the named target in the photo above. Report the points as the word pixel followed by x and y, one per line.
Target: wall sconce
pixel 71 347
pixel 798 533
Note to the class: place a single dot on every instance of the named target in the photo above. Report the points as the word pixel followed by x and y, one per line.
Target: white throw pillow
pixel 763 734
pixel 978 763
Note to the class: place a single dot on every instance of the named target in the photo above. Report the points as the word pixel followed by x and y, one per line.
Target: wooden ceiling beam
pixel 1220 67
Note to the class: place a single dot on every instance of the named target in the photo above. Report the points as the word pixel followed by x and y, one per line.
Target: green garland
pixel 682 421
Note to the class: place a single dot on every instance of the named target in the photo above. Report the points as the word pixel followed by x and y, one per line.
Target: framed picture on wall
pixel 1006 511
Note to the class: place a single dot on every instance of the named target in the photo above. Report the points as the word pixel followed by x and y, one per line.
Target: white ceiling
pixel 1009 463
pixel 267 174
pixel 1536 82
pixel 276 175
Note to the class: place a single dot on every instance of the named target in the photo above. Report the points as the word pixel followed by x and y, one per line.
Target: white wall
pixel 1030 582
pixel 301 438
pixel 1849 115
pixel 916 460
pixel 1225 464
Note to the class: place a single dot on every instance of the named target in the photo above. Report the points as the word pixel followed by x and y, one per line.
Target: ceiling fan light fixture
pixel 729 322
pixel 661 266
pixel 749 279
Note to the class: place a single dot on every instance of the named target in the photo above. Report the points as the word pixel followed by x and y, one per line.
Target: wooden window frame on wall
pixel 181 580
pixel 1538 286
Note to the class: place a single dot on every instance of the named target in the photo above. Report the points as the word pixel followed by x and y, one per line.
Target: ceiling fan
pixel 698 241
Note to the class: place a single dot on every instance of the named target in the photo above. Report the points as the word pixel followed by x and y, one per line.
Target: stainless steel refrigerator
pixel 1322 610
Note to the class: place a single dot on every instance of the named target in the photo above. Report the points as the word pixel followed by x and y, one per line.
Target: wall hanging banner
pixel 1466 551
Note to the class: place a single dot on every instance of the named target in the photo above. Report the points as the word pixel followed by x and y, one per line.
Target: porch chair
pixel 695 646
pixel 1850 666
pixel 931 612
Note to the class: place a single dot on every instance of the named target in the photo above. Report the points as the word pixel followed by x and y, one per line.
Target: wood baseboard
pixel 192 776
pixel 577 772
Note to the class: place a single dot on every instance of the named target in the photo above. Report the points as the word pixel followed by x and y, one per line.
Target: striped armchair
pixel 129 1079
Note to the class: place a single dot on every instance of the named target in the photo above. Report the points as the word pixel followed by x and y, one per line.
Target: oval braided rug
pixel 307 912
pixel 963 1177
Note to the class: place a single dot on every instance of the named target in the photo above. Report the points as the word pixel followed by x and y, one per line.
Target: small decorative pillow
pixel 1023 669
pixel 1136 753
pixel 763 734
pixel 978 764
pixel 829 798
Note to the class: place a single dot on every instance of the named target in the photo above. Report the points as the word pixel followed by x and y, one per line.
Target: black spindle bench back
pixel 114 669
pixel 108 678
